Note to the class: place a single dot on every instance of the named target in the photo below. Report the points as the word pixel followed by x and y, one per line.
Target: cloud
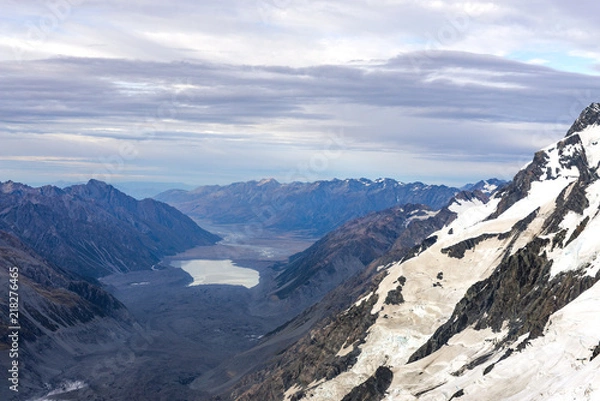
pixel 453 105
pixel 213 89
pixel 292 32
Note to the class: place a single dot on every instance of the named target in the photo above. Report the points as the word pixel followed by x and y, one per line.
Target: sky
pixel 214 92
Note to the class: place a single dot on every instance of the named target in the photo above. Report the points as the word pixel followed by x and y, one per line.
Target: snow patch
pixel 489 188
pixel 422 215
pixel 590 138
pixel 441 367
pixel 63 388
pixel 470 213
pixel 542 193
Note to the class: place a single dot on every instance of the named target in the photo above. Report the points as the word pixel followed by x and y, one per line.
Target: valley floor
pixel 187 331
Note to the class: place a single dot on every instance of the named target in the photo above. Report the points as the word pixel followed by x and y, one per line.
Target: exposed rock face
pixel 374 388
pixel 595 352
pixel 404 246
pixel 521 184
pixel 317 207
pixel 94 229
pixel 590 116
pixel 458 250
pixel 315 356
pixel 542 168
pixel 61 317
pixel 394 297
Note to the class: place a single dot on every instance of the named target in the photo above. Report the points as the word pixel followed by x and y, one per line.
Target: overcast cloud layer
pixel 216 92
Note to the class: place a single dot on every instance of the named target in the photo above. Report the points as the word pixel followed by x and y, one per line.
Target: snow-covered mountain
pixel 502 303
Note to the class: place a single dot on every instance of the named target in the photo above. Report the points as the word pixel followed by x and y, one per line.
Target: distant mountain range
pixel 316 207
pixel 94 229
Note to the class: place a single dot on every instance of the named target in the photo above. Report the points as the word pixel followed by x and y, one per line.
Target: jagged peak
pixel 96 188
pixel 590 116
pixel 97 183
pixel 11 187
pixel 575 157
pixel 100 191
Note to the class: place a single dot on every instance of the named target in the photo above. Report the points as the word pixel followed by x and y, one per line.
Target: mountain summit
pixel 501 303
pixel 590 116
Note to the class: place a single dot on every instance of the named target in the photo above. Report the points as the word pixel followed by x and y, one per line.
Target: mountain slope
pixel 316 207
pixel 347 250
pixel 61 318
pixel 499 304
pixel 94 229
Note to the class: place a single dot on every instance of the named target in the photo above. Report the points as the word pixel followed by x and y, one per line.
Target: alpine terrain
pixel 500 303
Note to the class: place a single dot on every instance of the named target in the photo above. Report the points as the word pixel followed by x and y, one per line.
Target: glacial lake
pixel 217 272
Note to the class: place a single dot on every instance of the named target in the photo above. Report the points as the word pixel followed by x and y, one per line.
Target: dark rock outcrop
pixel 394 297
pixel 588 117
pixel 458 250
pixel 521 184
pixel 374 388
pixel 595 352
